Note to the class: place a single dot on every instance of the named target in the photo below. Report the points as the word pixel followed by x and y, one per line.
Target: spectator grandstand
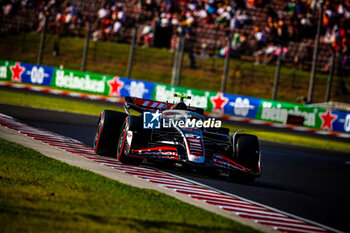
pixel 255 24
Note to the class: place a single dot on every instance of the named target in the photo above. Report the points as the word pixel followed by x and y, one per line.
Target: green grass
pixel 39 194
pixel 155 65
pixel 56 103
pixel 52 103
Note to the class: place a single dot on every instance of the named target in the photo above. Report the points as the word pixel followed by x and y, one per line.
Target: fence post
pixel 277 75
pixel 154 34
pixel 132 51
pixel 330 77
pixel 86 47
pixel 315 55
pixel 227 63
pixel 181 58
pixel 178 59
pixel 42 42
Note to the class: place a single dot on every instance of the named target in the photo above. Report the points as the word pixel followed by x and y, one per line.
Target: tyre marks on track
pixel 259 213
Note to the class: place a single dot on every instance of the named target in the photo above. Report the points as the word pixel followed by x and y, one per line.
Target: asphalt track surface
pixel 310 183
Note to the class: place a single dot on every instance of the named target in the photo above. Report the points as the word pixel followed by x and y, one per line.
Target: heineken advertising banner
pixel 74 80
pixel 26 73
pixel 5 70
pixel 199 98
pixel 136 88
pixel 276 111
pixel 80 81
pixel 215 102
pixel 38 75
pixel 102 84
pixel 241 106
pixel 340 121
pixel 314 117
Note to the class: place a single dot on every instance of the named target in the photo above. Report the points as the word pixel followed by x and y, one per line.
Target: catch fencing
pixel 246 72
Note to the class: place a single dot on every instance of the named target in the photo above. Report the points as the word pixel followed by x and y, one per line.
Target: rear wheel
pixel 107 132
pixel 129 139
pixel 247 154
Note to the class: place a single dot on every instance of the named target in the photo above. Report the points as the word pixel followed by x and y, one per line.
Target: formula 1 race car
pixel 177 133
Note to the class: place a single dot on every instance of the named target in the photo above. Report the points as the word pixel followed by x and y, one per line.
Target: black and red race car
pixel 160 132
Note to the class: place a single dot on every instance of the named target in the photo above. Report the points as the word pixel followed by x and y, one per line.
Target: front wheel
pixel 107 132
pixel 125 142
pixel 247 154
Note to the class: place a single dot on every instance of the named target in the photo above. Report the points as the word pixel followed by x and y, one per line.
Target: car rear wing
pixel 142 105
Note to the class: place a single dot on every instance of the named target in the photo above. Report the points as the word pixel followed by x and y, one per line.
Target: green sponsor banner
pixel 81 81
pixel 199 98
pixel 5 69
pixel 276 111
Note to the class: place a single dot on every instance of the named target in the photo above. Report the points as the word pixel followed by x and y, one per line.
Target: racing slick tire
pixel 247 154
pixel 133 124
pixel 107 133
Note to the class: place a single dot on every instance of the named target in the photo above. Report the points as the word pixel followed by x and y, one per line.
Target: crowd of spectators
pixel 63 17
pixel 285 21
pixel 290 20
pixel 60 16
pixel 296 20
pixel 335 26
pixel 111 18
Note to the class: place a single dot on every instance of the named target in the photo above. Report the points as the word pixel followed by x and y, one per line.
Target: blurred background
pixel 236 46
